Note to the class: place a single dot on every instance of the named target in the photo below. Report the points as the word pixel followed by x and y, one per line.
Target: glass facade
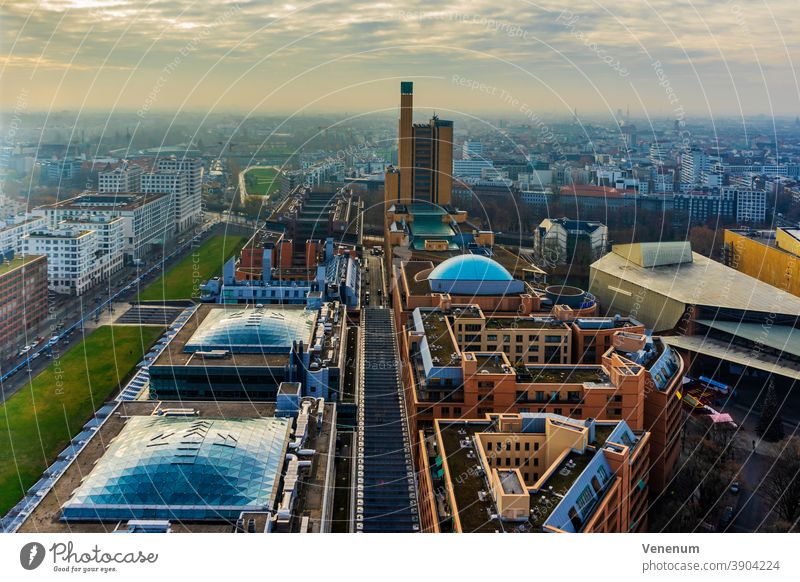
pixel 184 469
pixel 256 330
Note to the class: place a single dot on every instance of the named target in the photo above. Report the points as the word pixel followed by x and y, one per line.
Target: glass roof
pixel 470 268
pixel 179 468
pixel 252 330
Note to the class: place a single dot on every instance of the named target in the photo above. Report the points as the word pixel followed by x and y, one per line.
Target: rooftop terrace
pixel 440 341
pixel 524 323
pixel 562 374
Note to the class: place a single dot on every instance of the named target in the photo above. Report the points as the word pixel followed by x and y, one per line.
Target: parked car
pixel 735 487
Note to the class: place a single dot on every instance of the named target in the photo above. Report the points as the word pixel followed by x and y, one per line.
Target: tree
pixel 770 424
pixel 782 485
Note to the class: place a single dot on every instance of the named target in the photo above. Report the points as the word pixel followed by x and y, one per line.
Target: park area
pixel 38 422
pixel 262 181
pixel 182 280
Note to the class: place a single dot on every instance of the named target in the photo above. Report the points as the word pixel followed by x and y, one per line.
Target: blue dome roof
pixel 470 268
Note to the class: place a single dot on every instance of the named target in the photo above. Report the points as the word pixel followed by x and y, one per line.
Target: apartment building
pixel 110 235
pixel 176 184
pixel 124 178
pixel 72 265
pixel 148 219
pixel 188 202
pixel 13 229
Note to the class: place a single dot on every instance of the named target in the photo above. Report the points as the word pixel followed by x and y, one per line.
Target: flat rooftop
pixel 723 286
pixel 474 502
pixel 440 341
pixel 118 201
pixel 524 323
pixel 17 262
pixel 563 375
pixel 174 354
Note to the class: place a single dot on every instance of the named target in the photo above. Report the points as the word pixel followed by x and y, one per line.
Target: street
pixel 69 316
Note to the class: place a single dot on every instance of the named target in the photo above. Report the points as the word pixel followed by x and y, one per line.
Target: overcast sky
pixel 476 56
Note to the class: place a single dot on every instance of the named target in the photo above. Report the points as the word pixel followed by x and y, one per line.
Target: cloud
pixel 699 40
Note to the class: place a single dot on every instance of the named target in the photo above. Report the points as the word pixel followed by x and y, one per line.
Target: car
pixel 735 487
pixel 35 355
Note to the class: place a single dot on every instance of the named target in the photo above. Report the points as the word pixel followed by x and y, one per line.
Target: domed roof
pixel 470 268
pixel 184 468
pixel 256 330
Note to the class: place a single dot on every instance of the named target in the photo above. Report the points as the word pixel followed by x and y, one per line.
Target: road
pixel 373 280
pixel 74 314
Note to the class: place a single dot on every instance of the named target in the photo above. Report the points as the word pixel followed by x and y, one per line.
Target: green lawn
pixel 182 281
pixel 38 422
pixel 262 181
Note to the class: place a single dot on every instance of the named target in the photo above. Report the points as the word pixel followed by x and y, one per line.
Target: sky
pixel 475 57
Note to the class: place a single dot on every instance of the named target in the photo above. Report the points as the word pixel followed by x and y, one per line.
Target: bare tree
pixel 782 485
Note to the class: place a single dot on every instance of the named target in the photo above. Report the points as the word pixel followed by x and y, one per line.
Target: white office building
pixel 694 165
pixel 472 148
pixel 148 219
pixel 72 259
pixel 110 233
pixel 124 178
pixel 751 204
pixel 175 183
pixel 188 202
pixel 471 167
pixel 13 229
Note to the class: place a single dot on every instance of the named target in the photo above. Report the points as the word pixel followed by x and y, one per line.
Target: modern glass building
pixel 188 469
pixel 253 330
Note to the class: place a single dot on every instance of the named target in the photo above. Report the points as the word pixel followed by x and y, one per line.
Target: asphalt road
pixel 373 280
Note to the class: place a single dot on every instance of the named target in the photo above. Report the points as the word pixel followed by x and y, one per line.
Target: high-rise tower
pixel 425 158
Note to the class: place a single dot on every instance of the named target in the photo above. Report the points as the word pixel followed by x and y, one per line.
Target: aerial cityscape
pixel 366 269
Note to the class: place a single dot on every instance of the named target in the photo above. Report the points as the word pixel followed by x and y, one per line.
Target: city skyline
pixel 707 59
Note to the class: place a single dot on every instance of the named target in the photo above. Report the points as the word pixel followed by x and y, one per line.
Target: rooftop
pixel 470 268
pixel 112 438
pixel 722 286
pixel 175 353
pixel 184 468
pixel 17 262
pixel 563 374
pixel 249 329
pixel 524 323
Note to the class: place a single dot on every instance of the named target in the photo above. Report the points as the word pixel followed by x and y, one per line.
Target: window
pixel 516 446
pixel 584 499
pixel 527 446
pixel 536 461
